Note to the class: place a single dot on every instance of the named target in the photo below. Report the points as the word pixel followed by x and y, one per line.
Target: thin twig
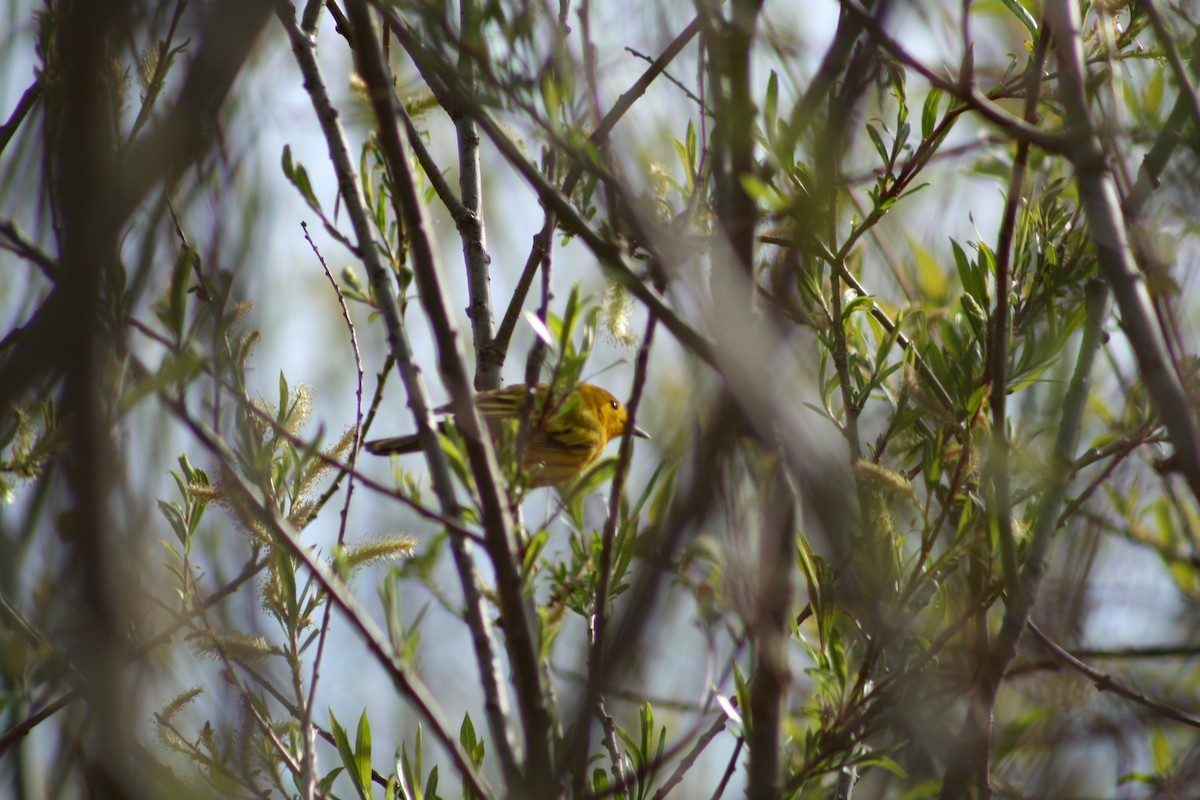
pixel 1107 683
pixel 729 768
pixel 29 99
pixel 968 93
pixel 470 185
pixel 342 468
pixel 162 63
pixel 688 760
pixel 610 742
pixel 1107 229
pixel 599 622
pixel 541 242
pixel 407 684
pixel 21 245
pixel 26 725
pixel 520 639
pixel 306 717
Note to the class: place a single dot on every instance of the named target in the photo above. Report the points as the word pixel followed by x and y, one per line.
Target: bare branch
pixel 476 614
pixel 521 637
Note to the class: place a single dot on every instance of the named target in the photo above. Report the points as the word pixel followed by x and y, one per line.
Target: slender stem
pixel 600 602
pixel 998 351
pixel 1019 603
pixel 688 760
pixel 458 212
pixel 1059 144
pixel 521 637
pixel 306 717
pixel 20 244
pixel 841 364
pixel 162 63
pixel 470 184
pixel 609 253
pixel 541 241
pixel 475 611
pixel 769 689
pixel 28 100
pixel 410 686
pixel 1108 232
pixel 1106 683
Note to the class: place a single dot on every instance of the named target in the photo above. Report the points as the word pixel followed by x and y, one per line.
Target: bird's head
pixel 609 411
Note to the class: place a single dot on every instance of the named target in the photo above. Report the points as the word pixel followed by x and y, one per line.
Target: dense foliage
pixel 900 290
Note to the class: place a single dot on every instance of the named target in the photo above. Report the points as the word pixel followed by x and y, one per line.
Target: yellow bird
pixel 565 438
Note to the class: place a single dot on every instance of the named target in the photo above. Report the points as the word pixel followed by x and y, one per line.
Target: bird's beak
pixel 641 434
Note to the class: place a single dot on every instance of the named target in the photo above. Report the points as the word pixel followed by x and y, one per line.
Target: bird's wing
pixel 560 451
pixel 501 403
pixel 570 433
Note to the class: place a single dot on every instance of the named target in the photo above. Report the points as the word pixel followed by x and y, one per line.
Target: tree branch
pixel 499 349
pixel 521 636
pixel 1107 683
pixel 1107 229
pixel 475 612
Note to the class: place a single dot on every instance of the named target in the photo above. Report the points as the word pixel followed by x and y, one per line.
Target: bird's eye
pixel 615 405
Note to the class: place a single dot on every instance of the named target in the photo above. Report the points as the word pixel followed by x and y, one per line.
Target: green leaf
pixel 285 572
pixel 569 318
pixel 174 515
pixel 1138 777
pixel 431 783
pixel 976 400
pixel 281 409
pixel 1160 752
pixel 770 104
pixel 929 112
pixel 551 96
pixel 297 175
pixel 1021 13
pixel 473 744
pixel 174 370
pixel 646 717
pixel 970 275
pixel 763 193
pixel 691 151
pixel 533 549
pixel 177 299
pixel 912 191
pixel 860 303
pixel 419 754
pixel 325 785
pixel 1152 99
pixel 599 782
pixel 877 140
pixel 362 749
pixel 349 761
pixel 885 763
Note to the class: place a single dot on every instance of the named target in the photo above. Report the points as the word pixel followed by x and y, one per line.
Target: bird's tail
pixel 393 445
